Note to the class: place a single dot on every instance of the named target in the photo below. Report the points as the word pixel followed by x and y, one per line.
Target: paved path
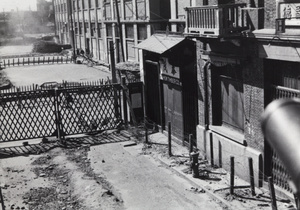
pixel 143 183
pixel 28 75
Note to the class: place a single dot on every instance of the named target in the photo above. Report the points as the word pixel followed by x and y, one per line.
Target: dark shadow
pixel 35 149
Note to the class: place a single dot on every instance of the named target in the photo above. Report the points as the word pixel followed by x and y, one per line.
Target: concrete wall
pixel 223 148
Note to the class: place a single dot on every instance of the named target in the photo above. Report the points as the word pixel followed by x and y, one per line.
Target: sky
pixel 8 5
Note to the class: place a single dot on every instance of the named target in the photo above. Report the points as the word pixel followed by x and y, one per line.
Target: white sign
pixel 288 10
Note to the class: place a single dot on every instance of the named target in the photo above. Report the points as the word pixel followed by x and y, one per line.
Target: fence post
pixel 195 164
pixel 190 145
pixel 272 193
pixel 125 103
pixel 1 199
pixel 18 62
pixel 13 62
pixel 146 135
pixel 169 138
pixel 212 152
pixel 251 174
pixel 59 127
pixel 231 175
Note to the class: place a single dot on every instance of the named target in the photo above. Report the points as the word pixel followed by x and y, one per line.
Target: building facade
pixel 246 56
pixel 94 23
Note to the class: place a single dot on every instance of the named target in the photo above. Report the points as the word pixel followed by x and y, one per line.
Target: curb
pixel 209 192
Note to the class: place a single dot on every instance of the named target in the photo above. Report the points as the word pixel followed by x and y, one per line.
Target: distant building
pixel 94 23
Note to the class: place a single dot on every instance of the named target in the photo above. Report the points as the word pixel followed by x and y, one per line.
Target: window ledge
pixel 229 133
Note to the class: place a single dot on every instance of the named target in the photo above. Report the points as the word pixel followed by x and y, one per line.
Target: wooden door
pixel 173 108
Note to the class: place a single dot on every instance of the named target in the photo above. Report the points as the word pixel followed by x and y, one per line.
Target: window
pixel 84 4
pixel 128 10
pixel 93 29
pixel 141 9
pixel 98 3
pixel 76 27
pixel 74 5
pixel 142 32
pixel 109 30
pixel 86 27
pixel 79 4
pixel 80 28
pixel 228 97
pixel 232 103
pixel 99 29
pixel 129 31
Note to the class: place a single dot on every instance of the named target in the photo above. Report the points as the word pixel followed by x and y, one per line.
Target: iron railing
pixel 280 175
pixel 218 20
pixel 33 60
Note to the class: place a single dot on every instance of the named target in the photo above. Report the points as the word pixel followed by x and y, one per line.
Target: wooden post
pixel 195 164
pixel 169 138
pixel 251 174
pixel 1 199
pixel 112 62
pixel 231 175
pixel 146 135
pixel 125 108
pixel 297 198
pixel 190 145
pixel 212 152
pixel 272 193
pixel 120 30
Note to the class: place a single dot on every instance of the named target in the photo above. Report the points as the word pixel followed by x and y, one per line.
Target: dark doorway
pixel 152 92
pixel 189 96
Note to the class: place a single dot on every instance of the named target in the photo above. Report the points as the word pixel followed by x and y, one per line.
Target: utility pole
pixel 120 29
pixel 72 36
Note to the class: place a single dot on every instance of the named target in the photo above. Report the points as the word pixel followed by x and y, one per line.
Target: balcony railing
pixel 219 20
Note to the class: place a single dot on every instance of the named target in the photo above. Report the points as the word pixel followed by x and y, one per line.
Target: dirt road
pixel 144 183
pixel 84 177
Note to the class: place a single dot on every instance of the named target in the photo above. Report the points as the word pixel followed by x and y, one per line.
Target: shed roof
pixel 160 43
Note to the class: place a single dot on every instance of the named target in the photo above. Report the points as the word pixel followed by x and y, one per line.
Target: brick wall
pixel 200 79
pixel 270 13
pixel 253 76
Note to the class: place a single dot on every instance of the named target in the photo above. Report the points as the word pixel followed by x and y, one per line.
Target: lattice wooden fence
pixel 33 113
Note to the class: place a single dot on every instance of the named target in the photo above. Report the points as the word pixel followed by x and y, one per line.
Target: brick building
pixel 246 56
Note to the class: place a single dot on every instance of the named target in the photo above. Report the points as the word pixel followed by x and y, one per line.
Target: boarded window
pixel 141 9
pixel 128 10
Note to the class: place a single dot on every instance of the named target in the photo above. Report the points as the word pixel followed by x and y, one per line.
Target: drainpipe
pixel 206 108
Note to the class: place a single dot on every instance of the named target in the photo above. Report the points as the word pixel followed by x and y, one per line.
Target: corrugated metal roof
pixel 159 43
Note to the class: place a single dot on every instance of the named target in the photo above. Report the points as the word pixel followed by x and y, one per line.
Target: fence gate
pixel 89 109
pixel 27 115
pixel 280 176
pixel 37 113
